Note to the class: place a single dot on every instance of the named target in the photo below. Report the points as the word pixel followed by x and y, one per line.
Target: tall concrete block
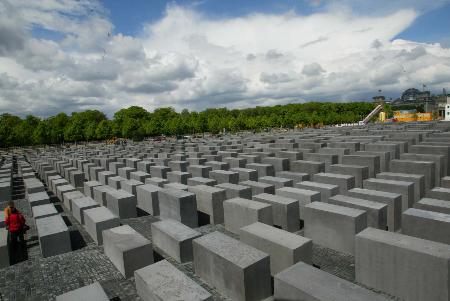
pixel 392 200
pixel 359 172
pixel 425 224
pixel 418 180
pixel 376 211
pixel 224 176
pixel 334 226
pixel 425 168
pixel 262 169
pixel 371 161
pixel 303 196
pixel 236 191
pixel 406 267
pixel 308 167
pixel 239 271
pixel 259 187
pixel 79 205
pixel 405 189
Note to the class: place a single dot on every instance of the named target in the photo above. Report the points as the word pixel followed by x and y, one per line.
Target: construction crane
pixel 371 114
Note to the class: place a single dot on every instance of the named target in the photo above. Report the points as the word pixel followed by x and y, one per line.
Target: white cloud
pixel 188 60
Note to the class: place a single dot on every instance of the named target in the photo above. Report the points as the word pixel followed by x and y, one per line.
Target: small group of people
pixel 16 226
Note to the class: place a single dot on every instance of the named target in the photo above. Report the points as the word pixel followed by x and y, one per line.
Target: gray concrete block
pixel 246 174
pixel 334 226
pixel 403 266
pixel 160 182
pixel 199 170
pixel 236 191
pixel 425 224
pixel 224 176
pixel 433 205
pixel 201 181
pixel 89 188
pixel 405 189
pixel 53 234
pixel 127 249
pixel 42 211
pixel 174 239
pixel 371 161
pixel 79 205
pixel 39 198
pixel 326 190
pixel 303 196
pixel 237 270
pixel 418 180
pixel 376 211
pixel 178 177
pixel 147 198
pixel 210 201
pixel 440 193
pixel 276 181
pixel 259 187
pixel 92 292
pixel 344 182
pixel 121 203
pixel 162 281
pixel 285 248
pixel 4 250
pixel 178 205
pixel 130 186
pixel 285 211
pixel 262 169
pixel 240 212
pixel 98 219
pixel 305 282
pixel 425 168
pixel 308 167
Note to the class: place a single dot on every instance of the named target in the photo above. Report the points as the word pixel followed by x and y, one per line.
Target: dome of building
pixel 410 94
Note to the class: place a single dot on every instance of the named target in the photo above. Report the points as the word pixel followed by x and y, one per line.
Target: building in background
pixel 447 109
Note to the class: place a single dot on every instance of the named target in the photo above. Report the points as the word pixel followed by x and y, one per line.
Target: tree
pixel 103 130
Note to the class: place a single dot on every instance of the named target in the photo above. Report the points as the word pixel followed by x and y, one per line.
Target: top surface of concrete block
pixel 50 225
pixel 281 237
pixel 248 203
pixel 335 209
pixel 100 214
pixel 176 229
pixel 431 248
pixel 93 292
pixel 125 238
pixel 231 249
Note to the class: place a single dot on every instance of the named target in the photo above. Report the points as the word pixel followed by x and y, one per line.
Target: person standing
pixel 15 223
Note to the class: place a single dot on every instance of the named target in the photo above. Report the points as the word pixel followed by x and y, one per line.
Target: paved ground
pixel 44 278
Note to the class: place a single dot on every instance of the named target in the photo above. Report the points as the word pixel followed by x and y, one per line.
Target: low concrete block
pixel 433 205
pixel 147 198
pixel 210 201
pixel 285 248
pixel 305 282
pixel 79 205
pixel 92 292
pixel 178 205
pixel 127 249
pixel 174 239
pixel 54 237
pixel 303 196
pixel 247 272
pixel 42 211
pixel 162 281
pixel 98 219
pixel 121 203
pixel 240 212
pixel 326 190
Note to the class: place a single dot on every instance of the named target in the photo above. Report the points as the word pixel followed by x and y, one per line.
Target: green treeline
pixel 136 123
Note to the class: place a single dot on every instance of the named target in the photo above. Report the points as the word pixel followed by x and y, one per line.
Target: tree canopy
pixel 137 123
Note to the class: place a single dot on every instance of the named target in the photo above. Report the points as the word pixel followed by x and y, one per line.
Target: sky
pixel 73 55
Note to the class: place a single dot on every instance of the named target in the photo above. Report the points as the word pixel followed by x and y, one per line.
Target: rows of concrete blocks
pixel 336 211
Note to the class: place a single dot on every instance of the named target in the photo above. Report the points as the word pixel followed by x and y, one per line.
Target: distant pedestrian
pixel 15 223
pixel 8 208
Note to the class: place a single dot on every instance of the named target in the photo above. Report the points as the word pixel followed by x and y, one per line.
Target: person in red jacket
pixel 15 224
